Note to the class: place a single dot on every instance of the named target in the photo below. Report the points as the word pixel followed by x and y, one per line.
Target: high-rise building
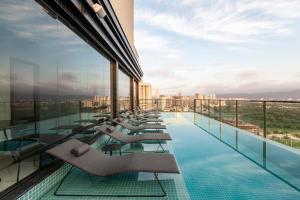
pixel 157 93
pixel 165 103
pixel 199 96
pixel 145 95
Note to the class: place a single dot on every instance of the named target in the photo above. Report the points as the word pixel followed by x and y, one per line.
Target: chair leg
pixel 5 144
pixel 61 182
pixel 18 172
pixel 108 195
pixel 161 187
pixel 160 145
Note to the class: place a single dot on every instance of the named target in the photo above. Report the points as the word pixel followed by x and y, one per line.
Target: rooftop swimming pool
pixel 217 161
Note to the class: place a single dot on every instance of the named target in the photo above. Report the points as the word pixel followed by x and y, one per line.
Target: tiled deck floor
pixel 78 182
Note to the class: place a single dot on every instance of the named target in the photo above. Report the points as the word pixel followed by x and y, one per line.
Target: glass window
pixel 48 77
pixel 123 91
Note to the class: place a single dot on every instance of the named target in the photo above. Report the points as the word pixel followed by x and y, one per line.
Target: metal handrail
pixel 214 108
pixel 246 100
pixel 236 104
pixel 254 100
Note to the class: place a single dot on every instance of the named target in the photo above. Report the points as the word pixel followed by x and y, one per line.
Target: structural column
pixel 131 94
pixel 137 94
pixel 114 89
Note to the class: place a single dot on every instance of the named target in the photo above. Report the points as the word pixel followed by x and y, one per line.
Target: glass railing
pixel 25 136
pixel 258 130
pixel 283 122
pixel 275 120
pixel 282 163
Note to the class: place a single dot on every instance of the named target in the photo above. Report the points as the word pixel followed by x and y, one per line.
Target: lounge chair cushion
pixel 80 150
pixel 97 163
pixel 118 135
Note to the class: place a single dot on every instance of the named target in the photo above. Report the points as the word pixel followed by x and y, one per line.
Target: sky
pixel 219 46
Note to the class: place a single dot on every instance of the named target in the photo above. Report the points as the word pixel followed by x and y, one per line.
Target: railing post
pixel 220 117
pixel 265 118
pixel 236 139
pixel 236 113
pixel 264 154
pixel 201 107
pixel 208 107
pixel 195 105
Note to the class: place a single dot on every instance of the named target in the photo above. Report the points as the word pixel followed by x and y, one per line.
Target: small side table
pixel 112 147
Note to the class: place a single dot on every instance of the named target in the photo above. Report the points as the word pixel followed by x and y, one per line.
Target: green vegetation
pixel 288 142
pixel 282 119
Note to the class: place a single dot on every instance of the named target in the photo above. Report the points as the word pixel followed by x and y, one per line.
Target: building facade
pixel 145 95
pixel 60 63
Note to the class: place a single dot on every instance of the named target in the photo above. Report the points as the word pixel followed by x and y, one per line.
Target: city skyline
pixel 247 46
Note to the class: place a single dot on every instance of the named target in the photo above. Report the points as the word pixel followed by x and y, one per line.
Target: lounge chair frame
pixel 122 142
pixel 154 165
pixel 56 192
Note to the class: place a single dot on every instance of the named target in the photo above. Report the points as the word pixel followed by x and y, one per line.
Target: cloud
pixel 150 42
pixel 244 81
pixel 158 54
pixel 16 12
pixel 218 81
pixel 224 21
pixel 247 74
pixel 168 75
pixel 68 77
pixel 160 73
pixel 221 46
pixel 26 22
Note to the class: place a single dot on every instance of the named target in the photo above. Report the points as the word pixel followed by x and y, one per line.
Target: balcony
pixel 73 124
pixel 209 143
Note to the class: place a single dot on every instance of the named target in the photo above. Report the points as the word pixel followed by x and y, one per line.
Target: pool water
pixel 219 161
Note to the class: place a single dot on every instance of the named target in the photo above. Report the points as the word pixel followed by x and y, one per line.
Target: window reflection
pixel 123 91
pixel 48 77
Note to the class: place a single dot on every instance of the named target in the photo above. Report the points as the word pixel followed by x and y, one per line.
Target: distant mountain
pixel 295 95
